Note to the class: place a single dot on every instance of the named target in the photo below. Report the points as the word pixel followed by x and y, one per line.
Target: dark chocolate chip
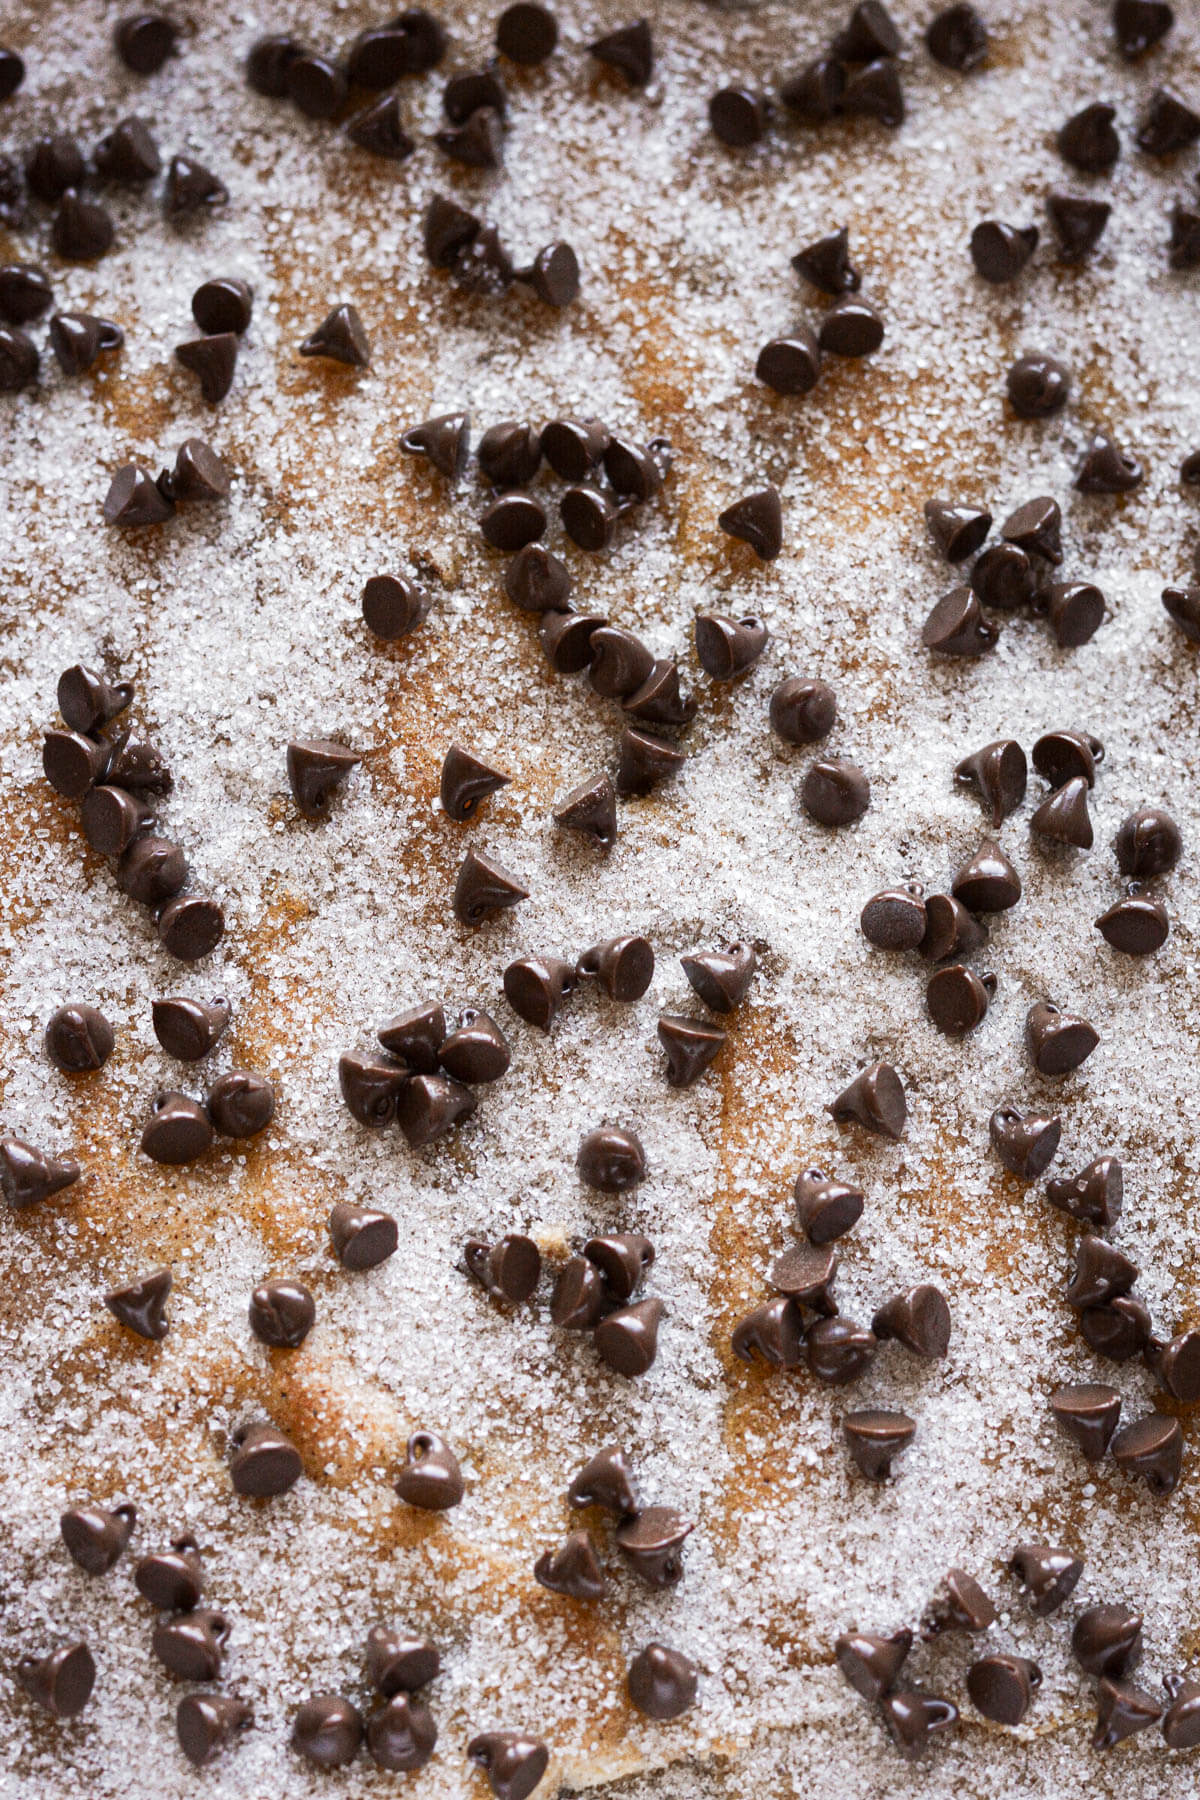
pixel 1140 24
pixel 73 763
pixel 851 327
pixel 636 471
pixel 1079 222
pixel 553 274
pixel 1121 1710
pixel 1036 528
pixel 1102 1273
pixel 1063 818
pixel 526 33
pixel 589 517
pixel 464 95
pixel 806 1274
pixel 171 1580
pixel 1002 1686
pixel 342 337
pixel 510 455
pixel 393 605
pixel 513 521
pixel 402 1734
pixel 87 700
pixel 580 1298
pixel 128 153
pixel 645 762
pixel 188 1029
pixel 960 1604
pixel 316 770
pixel 620 662
pixel 223 304
pixel 605 1480
pixel 1183 249
pixel 835 792
pixel 78 1039
pixel 958 529
pixel 112 818
pixel 12 73
pixel 205 1724
pixel 790 365
pixel 918 1319
pixel 444 442
pixel 874 92
pixel 95 1536
pixel 478 143
pixel 191 188
pixel 872 1663
pixel 1001 251
pixel 485 266
pixel 572 1569
pixel 727 648
pixel 1026 1143
pixel 950 930
pixel 1167 125
pixel 1138 925
pixel 1148 844
pixel 987 881
pixel 958 999
pixel 513 1761
pixel 956 626
pixel 1088 141
pixel 133 499
pixel 483 888
pixel 1038 385
pixel 591 810
pixel 78 339
pixel 415 1036
pixel 660 700
pixel 25 293
pixel 18 359
pixel 28 1176
pixel 652 1544
pixel 178 1130
pixel 466 780
pixel 397 1664
pixel 52 165
pixel 316 86
pixel 627 1340
pixel 1182 605
pixel 509 1270
pixel 141 1305
pixel 429 1105
pixel 536 986
pixel 1057 1042
pixel 213 360
pixel 1119 1331
pixel 738 116
pixel 379 128
pixel 377 59
pixel 875 1100
pixel 430 1477
pixel 362 1237
pixel 1088 1413
pixel 566 637
pixel 803 710
pixel 264 1462
pixel 839 1351
pixel 623 967
pixel 81 230
pixel 199 476
pixel 957 38
pixel 629 50
pixel 1048 1577
pixel 662 1682
pixel 191 1645
pixel 477 1051
pixel 611 1159
pixel 1181 1721
pixel 758 521
pixel 1075 610
pixel 282 1313
pixel 1151 1448
pixel 61 1682
pixel 999 774
pixel 536 580
pixel 774 1332
pixel 1060 756
pixel 1094 1196
pixel 874 1439
pixel 814 93
pixel 1107 1640
pixel 190 926
pixel 448 231
pixel 622 1260
pixel 721 977
pixel 1106 469
pixel 1177 1366
pixel 268 63
pixel 327 1730
pixel 825 1208
pixel 826 264
pixel 691 1045
pixel 145 40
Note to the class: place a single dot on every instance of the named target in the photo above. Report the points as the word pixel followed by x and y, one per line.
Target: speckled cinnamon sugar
pixel 240 627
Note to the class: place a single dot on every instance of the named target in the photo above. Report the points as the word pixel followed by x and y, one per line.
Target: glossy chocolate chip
pixel 553 275
pixel 612 1159
pixel 956 626
pixel 212 359
pixel 191 188
pixel 773 1332
pixel 316 770
pixel 133 499
pixel 1106 468
pixel 790 365
pixel 662 1682
pixel 1138 925
pixel 620 662
pixel 956 528
pixel 652 1542
pixel 1048 1576
pixel 738 116
pixel 606 1480
pixel 987 881
pixel 205 1724
pixel 111 818
pixel 1088 1412
pixel 659 700
pixel 188 1029
pixel 875 1100
pixel 537 581
pixel 826 264
pixel 282 1313
pixel 727 648
pixel 645 762
pixel 1036 528
pixel 399 1664
pixel 513 1761
pixel 913 1718
pixel 1140 24
pixel 478 142
pixel 1063 818
pixel 327 1730
pixel 141 1306
pixel 415 1036
pixel 444 442
pixel 1001 251
pixel 28 1175
pixel 1002 1687
pixel 998 773
pixel 721 978
pixel 1119 1330
pixel 241 1103
pixel 691 1046
pixel 513 521
pixel 826 1209
pixel 61 1682
pixel 178 1130
pixel 483 888
pixel 1057 1042
pixel 629 50
pixel 874 1440
pixel 1121 1710
pixel 171 1580
pixel 379 129
pixel 960 1604
pixel 477 1050
pixel 430 1105
pixel 566 638
pixel 340 337
pixel 199 476
pixel 1075 610
pixel 622 1259
pixel 371 1088
pixel 430 1477
pixel 1102 1272
pixel 839 1351
pixel 627 1340
pixel 78 1039
pixel 1151 1448
pixel 264 1462
pixel 1168 124
pixel 1107 1640
pixel 145 40
pixel 1181 1721
pixel 536 987
pixel 814 94
pixel 1079 222
pixel 591 810
pixel 957 998
pixel 362 1237
pixel 268 63
pixel 191 1645
pixel 1062 756
pixel 223 304
pixel 190 926
pixel 510 1270
pixel 1183 248
pixel 835 792
pixel 73 763
pixel 25 293
pixel 1038 386
pixel 758 521
pixel 52 165
pixel 1182 605
pixel 1148 844
pixel 95 1536
pixel 1177 1366
pixel 1026 1143
pixel 18 359
pixel 393 605
pixel 872 1663
pixel 572 1569
pixel 401 1734
pixel 918 1319
pixel 806 1274
pixel 852 327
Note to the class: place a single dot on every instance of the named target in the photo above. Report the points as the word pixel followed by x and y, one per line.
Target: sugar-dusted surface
pixel 241 631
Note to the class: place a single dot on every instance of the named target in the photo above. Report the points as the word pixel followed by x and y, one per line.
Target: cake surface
pixel 239 626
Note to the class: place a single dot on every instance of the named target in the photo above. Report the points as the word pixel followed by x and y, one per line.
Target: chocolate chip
pixel 465 95
pixel 268 63
pixel 213 360
pixel 509 1270
pixel 727 648
pixel 145 40
pixel 839 1351
pixel 627 1340
pixel 87 700
pixel 645 762
pixel 1183 249
pixel 18 360
pixel 341 336
pixel 1102 1272
pixel 78 1039
pixel 536 986
pixel 738 116
pixel 958 999
pixel 1079 223
pixel 513 521
pixel 133 499
pixel 622 1260
pixel 662 1682
pixel 53 165
pixel 477 1051
pixel 430 1478
pixel 652 1543
pixel 483 888
pixel 774 1332
pixel 1181 1722
pixel 611 1159
pixel 60 1683
pixel 378 58
pixel 835 792
pixel 241 1103
pixel 327 1731
pixel 1167 125
pixel 264 1462
pixel 918 1319
pixel 1152 1448
pixel 1137 925
pixel 1140 24
pixel 572 1569
pixel 852 327
pixel 429 1105
pixel 478 143
pixel 206 1723
pixel 1038 386
pixel 362 1238
pixel 25 293
pixel 591 810
pixel 913 1718
pixel 566 637
pixel 621 663
pixel 448 231
pixel 485 266
pixel 444 442
pixel 959 1605
pixel 1106 469
pixel 623 967
pixel 191 1645
pixel 721 977
pixel 957 38
pixel 282 1313
pixel 814 94
pixel 1148 844
pixel 141 1305
pixel 315 85
pixel 589 517
pixel 171 1580
pixel 1107 1640
pixel 402 1734
pixel 958 529
pixel 553 274
pixel 199 475
pixel 509 456
pixel 1183 606
pixel 1048 1576
pixel 629 50
pixel 95 1536
pixel 875 1100
pixel 872 1663
pixel 466 780
pixel 790 365
pixel 956 626
pixel 758 521
pixel 73 763
pixel 398 1664
pixel 1177 1366
pixel 580 1298
pixel 393 605
pixel 128 153
pixel 691 1045
pixel 874 92
pixel 78 339
pixel 1036 528
pixel 1076 612
pixel 1057 1042
pixel 1063 817
pixel 806 1273
pixel 1119 1330
pixel 379 128
pixel 81 230
pixel 803 709
pixel 825 1208
pixel 112 818
pixel 513 1761
pixel 526 33
pixel 151 870
pixel 178 1129
pixel 999 774
pixel 223 304
pixel 1002 1686
pixel 606 1479
pixel 191 188
pixel 1121 1710
pixel 12 73
pixel 190 926
pixel 1001 251
pixel 826 264
pixel 188 1029
pixel 659 700
pixel 1088 1413
pixel 1026 1143
pixel 874 1439
pixel 1088 141
pixel 416 1037
pixel 987 881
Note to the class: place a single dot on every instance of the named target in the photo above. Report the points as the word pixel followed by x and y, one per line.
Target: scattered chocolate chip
pixel 851 327
pixel 416 1037
pixel 282 1313
pixel 774 1332
pixel 341 336
pixel 738 116
pixel 513 521
pixel 874 1099
pixel 133 499
pixel 825 1208
pixel 18 360
pixel 1182 604
pixel 1063 817
pixel 223 304
pixel 826 264
pixel 509 1270
pixel 957 529
pixel 398 1664
pixel 128 153
pixel 1048 1576
pixel 790 365
pixel 1057 1042
pixel 1102 1272
pixel 145 40
pixel 815 93
pixel 12 73
pixel 509 456
pixel 956 626
pixel 1088 141
pixel 362 1238
pixel 1106 469
pixel 190 926
pixel 758 521
pixel 191 1645
pixel 1002 1686
pixel 199 475
pixel 430 1478
pixel 78 339
pixel 645 762
pixel 874 1439
pixel 1181 1721
pixel 627 1340
pixel 1138 925
pixel 206 1723
pixel 1107 1640
pixel 28 1176
pixel 958 999
pixel 589 517
pixel 53 165
pixel 393 605
pixel 151 870
pixel 691 1045
pixel 591 810
pixel 623 967
pixel 987 881
pixel 721 977
pixel 178 1130
pixel 1177 1366
pixel 957 38
pixel 112 818
pixel 912 1719
pixel 566 637
pixel 659 700
pixel 268 63
pixel 60 1683
pixel 191 188
pixel 1026 1143
pixel 1079 222
pixel 483 888
pixel 1167 125
pixel 87 700
pixel 327 1731
pixel 1075 610
pixel 95 1536
pixel 241 1103
pixel 727 647
pixel 1152 1448
pixel 839 1351
pixel 634 471
pixel 213 360
pixel 526 33
pixel 572 1569
pixel 81 230
pixel 606 1479
pixel 536 986
pixel 478 143
pixel 188 1029
pixel 872 1663
pixel 466 780
pixel 1088 1413
pixel 264 1462
pixel 1121 1710
pixel 171 1580
pixel 999 774
pixel 918 1319
pixel 379 129
pixel 959 1605
pixel 1036 528
pixel 141 1305
pixel 553 274
pixel 874 92
pixel 1038 386
pixel 402 1734
pixel 622 1260
pixel 1119 1330
pixel 835 792
pixel 444 442
pixel 513 1761
pixel 448 232
pixel 465 95
pixel 652 1542
pixel 378 58
pixel 806 1274
pixel 662 1683
pixel 477 1050
pixel 580 1298
pixel 1140 24
pixel 73 763
pixel 803 710
pixel 1148 844
pixel 429 1105
pixel 25 293
pixel 1001 251
pixel 315 85
pixel 629 50
pixel 79 1039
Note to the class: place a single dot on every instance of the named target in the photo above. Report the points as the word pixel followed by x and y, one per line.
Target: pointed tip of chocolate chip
pixel 342 337
pixel 757 520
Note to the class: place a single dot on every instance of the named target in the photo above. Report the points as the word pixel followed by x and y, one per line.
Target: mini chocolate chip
pixel 178 1130
pixel 128 153
pixel 606 1479
pixel 466 780
pixel 629 50
pixel 464 95
pixel 645 762
pixel 636 472
pixel 133 499
pixel 874 1439
pixel 1102 1273
pixel 957 38
pixel 839 1351
pixel 315 85
pixel 803 710
pixel 611 1159
pixel 415 1036
pixel 580 1298
pixel 483 888
pixel 512 521
pixel 1181 1721
pixel 572 1569
pixel 1177 1366
pixel 956 626
pixel 591 810
pixel 87 701
pixel 60 1683
pixel 429 1105
pixel 393 605
pixel 513 1761
pixel 874 92
pixel 1048 1576
pixel 662 1682
pixel 999 774
pixel 371 1088
pixel 478 143
pixel 377 59
pixel 1183 248
pixel 691 1045
pixel 727 648
pixel 738 116
pixel 1121 1710
pixel 1182 605
pixel 95 1536
pixel 1088 141
pixel 241 1103
pixel 553 275
pixel 402 1734
pixel 1094 1196
pixel 510 455
pixel 622 1260
pixel 1075 610
pixel 826 264
pixel 872 1663
pixel 1026 1143
pixel 141 1305
pixel 987 881
pixel 1107 1640
pixel 652 1543
pixel 851 327
pixel 28 1176
pixel 206 1723
pixel 430 1478
pixel 191 188
pixel 1002 1686
pixel 1078 222
pixel 1088 1413
pixel 806 1273
pixel 327 1730
pixel 282 1313
pixel 814 93
pixel 81 230
pixel 1036 528
pixel 620 662
pixel 213 360
pixel 918 1319
pixel 958 529
pixel 660 700
pixel 1138 925
pixel 1119 1330
pixel 566 637
pixel 199 475
pixel 1063 816
pixel 1060 756
pixel 958 999
pixel 574 447
pixel 188 1029
pixel 1148 844
pixel 53 165
pixel 960 1604
pixel 875 1100
pixel 758 521
pixel 448 232
pixel 825 1209
pixel 1106 469
pixel 1001 251
pixel 790 365
pixel 342 337
pixel 223 304
pixel 477 1050
pixel 1152 1448
pixel 264 1462
pixel 1038 386
pixel 1167 124
pixel 1057 1042
pixel 536 986
pixel 835 792
pixel 171 1580
pixel 78 339
pixel 444 442
pixel 78 1039
pixel 379 128
pixel 627 1340
pixel 774 1332
pixel 509 1270
pixel 397 1664
pixel 721 977
pixel 526 33
pixel 362 1238
pixel 111 819
pixel 191 1645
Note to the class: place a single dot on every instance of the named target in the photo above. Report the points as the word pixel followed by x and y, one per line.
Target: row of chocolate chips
pixel 424 1082
pixel 1011 574
pixel 110 773
pixel 1000 251
pixel 470 251
pixel 850 328
pixel 136 498
pixel 1089 140
pixel 650 1539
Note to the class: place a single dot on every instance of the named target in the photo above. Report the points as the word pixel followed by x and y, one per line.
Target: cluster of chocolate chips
pixel 1182 601
pixel 596 1291
pixel 328 1730
pixel 116 780
pixel 1008 576
pixel 424 1081
pixel 77 339
pixel 851 327
pixel 239 1104
pixel 1089 141
pixel 135 497
pixel 650 1539
pixel 835 792
pixel 221 308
